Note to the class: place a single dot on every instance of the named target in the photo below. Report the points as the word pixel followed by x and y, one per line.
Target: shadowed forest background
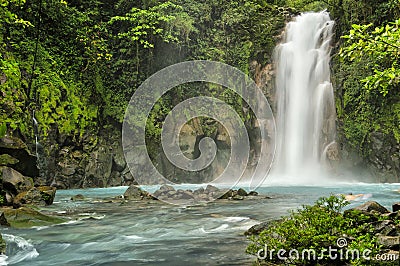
pixel 77 63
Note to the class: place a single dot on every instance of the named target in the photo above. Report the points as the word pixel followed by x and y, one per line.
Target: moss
pixel 2 245
pixel 25 217
pixel 6 159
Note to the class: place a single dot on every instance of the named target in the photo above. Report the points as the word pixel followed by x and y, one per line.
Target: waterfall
pixel 305 100
pixel 39 151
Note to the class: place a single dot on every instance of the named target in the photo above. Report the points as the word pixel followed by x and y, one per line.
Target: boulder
pixel 368 217
pixel 257 229
pixel 211 189
pixel 17 149
pixel 25 217
pixel 3 220
pixel 187 194
pixel 390 242
pixel 48 194
pixel 229 194
pixel 15 182
pixel 136 193
pixel 372 206
pixel 253 193
pixel 199 191
pixel 12 143
pixel 166 188
pixel 77 197
pixel 396 207
pixel 7 160
pixel 242 192
pixel 386 228
pixel 31 196
pixel 238 197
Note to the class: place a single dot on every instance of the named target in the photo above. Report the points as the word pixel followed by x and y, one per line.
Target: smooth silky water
pixel 155 233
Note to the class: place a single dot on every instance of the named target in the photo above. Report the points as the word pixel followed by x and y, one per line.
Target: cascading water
pixel 306 110
pixel 40 158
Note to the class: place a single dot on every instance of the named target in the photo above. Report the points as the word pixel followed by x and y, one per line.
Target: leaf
pixel 3 129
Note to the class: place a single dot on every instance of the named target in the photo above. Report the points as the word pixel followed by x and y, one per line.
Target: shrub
pixel 321 228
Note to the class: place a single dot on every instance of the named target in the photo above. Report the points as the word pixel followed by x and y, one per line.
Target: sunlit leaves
pixel 159 20
pixel 382 45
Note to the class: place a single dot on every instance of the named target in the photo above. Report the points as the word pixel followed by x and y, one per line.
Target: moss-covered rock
pixel 25 217
pixel 48 193
pixel 32 196
pixel 2 245
pixel 7 160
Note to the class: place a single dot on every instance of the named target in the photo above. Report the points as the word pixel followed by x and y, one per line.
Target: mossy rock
pixel 25 217
pixel 2 245
pixel 7 160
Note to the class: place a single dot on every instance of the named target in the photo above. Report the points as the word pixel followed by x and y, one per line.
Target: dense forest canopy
pixel 77 63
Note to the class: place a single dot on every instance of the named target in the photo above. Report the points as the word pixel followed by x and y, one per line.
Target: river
pixel 102 232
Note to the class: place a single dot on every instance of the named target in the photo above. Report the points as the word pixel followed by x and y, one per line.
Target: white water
pixel 306 110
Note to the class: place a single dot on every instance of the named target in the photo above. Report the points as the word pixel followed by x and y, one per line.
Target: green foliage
pixel 12 100
pixel 382 45
pixel 165 19
pixel 370 76
pixel 316 227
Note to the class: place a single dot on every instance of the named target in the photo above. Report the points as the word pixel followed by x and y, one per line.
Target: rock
pixel 2 246
pixel 211 189
pixel 242 192
pixel 9 142
pixel 3 220
pixel 332 152
pixel 199 191
pixel 68 170
pixel 25 217
pixel 257 229
pixel 32 196
pixel 78 197
pixel 134 193
pixel 40 196
pixel 166 188
pixel 115 179
pixel 253 193
pixel 119 162
pixel 229 194
pixel 48 194
pixel 15 182
pixel 17 149
pixel 354 214
pixel 392 215
pixel 238 197
pixel 390 242
pixel 98 169
pixel 187 195
pixel 372 206
pixel 7 160
pixel 396 207
pixel 386 228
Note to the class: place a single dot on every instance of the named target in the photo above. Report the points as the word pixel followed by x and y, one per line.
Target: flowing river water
pixel 102 232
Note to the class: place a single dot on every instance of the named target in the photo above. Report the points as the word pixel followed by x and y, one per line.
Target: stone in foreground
pixel 372 206
pixel 25 217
